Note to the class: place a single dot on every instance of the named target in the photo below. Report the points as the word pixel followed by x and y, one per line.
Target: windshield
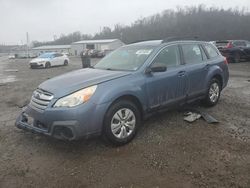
pixel 127 58
pixel 46 55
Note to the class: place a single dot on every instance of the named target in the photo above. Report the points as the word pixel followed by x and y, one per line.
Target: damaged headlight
pixel 76 98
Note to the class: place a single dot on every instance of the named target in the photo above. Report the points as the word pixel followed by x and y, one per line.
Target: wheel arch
pixel 132 98
pixel 219 78
pixel 215 72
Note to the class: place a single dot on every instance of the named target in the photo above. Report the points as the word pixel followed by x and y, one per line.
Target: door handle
pixel 181 73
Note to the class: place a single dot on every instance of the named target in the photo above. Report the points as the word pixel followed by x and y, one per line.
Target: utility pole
pixel 27 45
pixel 121 36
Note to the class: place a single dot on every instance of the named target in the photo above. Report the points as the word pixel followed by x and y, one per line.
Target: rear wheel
pixel 213 93
pixel 237 58
pixel 65 63
pixel 47 65
pixel 121 122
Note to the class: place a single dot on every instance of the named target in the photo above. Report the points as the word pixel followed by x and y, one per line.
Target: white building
pixel 51 48
pixel 106 45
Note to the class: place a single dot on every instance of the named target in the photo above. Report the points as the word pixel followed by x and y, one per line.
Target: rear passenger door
pixel 196 67
pixel 169 87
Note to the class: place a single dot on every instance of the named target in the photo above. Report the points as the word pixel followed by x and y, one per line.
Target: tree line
pixel 205 23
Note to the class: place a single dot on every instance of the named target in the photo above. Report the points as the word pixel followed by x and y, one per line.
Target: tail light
pixel 229 45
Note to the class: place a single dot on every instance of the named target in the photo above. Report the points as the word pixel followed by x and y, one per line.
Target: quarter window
pixel 211 51
pixel 192 53
pixel 169 56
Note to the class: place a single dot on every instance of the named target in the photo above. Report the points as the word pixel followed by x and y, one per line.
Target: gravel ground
pixel 167 151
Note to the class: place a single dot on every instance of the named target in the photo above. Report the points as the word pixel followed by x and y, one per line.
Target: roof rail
pixel 171 39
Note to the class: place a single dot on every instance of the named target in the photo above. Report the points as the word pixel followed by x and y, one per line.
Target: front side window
pixel 46 55
pixel 128 58
pixel 192 53
pixel 211 51
pixel 169 56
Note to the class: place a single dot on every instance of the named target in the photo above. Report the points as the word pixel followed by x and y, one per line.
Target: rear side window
pixel 239 43
pixel 192 53
pixel 212 52
pixel 169 56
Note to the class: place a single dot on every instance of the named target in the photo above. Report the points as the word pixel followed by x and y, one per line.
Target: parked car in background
pixel 48 60
pixel 11 56
pixel 125 87
pixel 96 53
pixel 234 50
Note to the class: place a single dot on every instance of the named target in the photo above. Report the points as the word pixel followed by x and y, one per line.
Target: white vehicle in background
pixel 11 56
pixel 50 59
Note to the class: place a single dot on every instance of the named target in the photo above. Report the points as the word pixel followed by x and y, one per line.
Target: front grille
pixel 40 100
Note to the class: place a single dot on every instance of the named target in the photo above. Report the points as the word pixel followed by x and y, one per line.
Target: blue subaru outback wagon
pixel 113 97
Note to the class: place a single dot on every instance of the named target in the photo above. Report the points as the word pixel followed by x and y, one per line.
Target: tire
pixel 213 93
pixel 47 65
pixel 117 129
pixel 236 58
pixel 65 63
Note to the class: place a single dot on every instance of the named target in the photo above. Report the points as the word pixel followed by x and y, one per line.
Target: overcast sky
pixel 45 18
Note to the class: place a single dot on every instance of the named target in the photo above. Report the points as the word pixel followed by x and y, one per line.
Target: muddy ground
pixel 167 151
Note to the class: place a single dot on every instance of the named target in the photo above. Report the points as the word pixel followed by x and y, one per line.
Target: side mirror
pixel 156 67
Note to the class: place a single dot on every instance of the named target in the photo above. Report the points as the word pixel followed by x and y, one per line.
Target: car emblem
pixel 37 95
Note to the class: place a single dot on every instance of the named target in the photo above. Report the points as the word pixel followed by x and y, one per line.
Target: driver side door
pixel 167 88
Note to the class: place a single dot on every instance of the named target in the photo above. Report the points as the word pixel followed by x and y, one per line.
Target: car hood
pixel 72 81
pixel 39 60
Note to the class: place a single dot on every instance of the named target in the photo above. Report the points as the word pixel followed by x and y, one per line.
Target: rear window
pixel 212 52
pixel 221 44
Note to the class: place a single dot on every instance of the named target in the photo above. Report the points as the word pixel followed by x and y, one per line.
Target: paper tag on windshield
pixel 143 52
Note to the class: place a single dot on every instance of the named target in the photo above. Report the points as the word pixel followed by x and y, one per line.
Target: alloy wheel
pixel 214 92
pixel 123 123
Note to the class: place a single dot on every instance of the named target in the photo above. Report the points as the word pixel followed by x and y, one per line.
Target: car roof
pixel 155 43
pixel 230 40
pixel 147 43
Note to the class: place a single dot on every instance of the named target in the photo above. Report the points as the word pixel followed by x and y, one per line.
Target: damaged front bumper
pixel 64 130
pixel 64 123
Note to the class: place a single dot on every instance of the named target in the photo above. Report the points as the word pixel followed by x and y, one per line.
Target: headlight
pixel 76 98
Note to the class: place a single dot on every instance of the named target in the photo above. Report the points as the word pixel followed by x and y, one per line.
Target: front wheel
pixel 121 122
pixel 213 93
